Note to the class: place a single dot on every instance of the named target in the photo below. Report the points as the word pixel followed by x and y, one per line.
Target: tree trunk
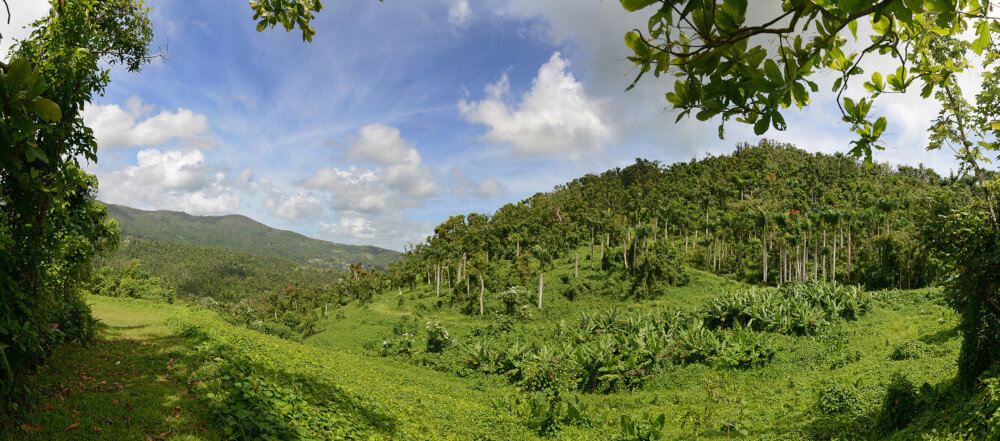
pixel 576 266
pixel 850 250
pixel 541 284
pixel 591 251
pixel 437 280
pixel 825 279
pixel 763 247
pixel 798 263
pixel 781 264
pixel 518 252
pixel 447 270
pixel 482 290
pixel 834 267
pixel 600 262
pixel 625 254
pixel 815 260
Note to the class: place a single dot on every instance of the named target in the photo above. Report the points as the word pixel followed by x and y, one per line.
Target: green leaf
pixel 45 108
pixel 762 124
pixel 634 41
pixel 879 127
pixel 705 115
pixel 635 5
pixel 18 74
pixel 939 6
pixel 33 153
pixel 772 72
pixel 927 90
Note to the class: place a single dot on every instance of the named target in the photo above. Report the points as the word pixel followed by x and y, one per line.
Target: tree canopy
pixel 730 64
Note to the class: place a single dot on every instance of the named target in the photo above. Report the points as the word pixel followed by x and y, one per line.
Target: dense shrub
pixel 514 300
pixel 610 351
pixel 437 337
pixel 801 309
pixel 901 404
pixel 648 428
pixel 404 344
pixel 660 266
pixel 133 282
pixel 838 398
pixel 910 350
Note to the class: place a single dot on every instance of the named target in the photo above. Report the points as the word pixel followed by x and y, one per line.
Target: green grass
pixel 776 401
pixel 132 383
pixel 164 366
pixel 414 403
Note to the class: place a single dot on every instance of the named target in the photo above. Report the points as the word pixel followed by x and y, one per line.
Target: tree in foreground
pixel 730 66
pixel 51 226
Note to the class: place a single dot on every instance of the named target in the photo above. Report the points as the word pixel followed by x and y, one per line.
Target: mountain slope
pixel 244 235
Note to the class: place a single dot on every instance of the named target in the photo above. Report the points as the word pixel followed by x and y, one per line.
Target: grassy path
pixel 140 380
pixel 132 384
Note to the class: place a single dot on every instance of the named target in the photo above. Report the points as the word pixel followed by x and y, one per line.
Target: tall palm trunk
pixel 763 248
pixel 591 250
pixel 541 284
pixel 824 256
pixel 482 291
pixel 850 251
pixel 600 262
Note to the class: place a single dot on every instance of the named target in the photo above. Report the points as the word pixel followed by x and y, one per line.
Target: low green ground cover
pixel 843 378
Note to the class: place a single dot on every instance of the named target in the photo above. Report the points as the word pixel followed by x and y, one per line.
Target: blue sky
pixel 399 114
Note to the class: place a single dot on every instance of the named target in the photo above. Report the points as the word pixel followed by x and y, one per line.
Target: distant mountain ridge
pixel 244 235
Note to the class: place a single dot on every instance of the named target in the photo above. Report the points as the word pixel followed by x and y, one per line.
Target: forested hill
pixel 767 213
pixel 243 235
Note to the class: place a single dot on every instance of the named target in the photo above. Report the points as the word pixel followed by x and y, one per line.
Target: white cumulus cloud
pixel 556 116
pixel 383 145
pixel 352 189
pixel 170 180
pixel 298 205
pixel 131 125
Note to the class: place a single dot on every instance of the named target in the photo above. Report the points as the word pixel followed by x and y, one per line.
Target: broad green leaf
pixel 760 127
pixel 879 127
pixel 45 108
pixel 773 72
pixel 635 5
pixel 18 74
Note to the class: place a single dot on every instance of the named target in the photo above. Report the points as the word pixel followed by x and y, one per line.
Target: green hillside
pixel 195 272
pixel 242 234
pixel 191 375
